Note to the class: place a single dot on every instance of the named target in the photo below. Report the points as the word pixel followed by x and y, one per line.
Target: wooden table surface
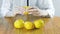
pixel 52 26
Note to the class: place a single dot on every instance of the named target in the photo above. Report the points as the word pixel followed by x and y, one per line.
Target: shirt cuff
pixel 46 13
pixel 43 13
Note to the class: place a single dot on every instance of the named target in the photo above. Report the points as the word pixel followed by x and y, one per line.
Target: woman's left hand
pixel 34 11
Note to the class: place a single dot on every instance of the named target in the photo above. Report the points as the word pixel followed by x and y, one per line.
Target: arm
pixel 46 7
pixel 5 7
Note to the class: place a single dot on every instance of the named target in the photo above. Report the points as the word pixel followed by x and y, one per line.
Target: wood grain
pixel 52 26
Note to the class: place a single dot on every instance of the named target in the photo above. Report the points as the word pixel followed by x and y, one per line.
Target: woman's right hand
pixel 19 10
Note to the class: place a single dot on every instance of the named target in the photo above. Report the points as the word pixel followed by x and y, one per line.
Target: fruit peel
pixel 39 23
pixel 28 25
pixel 19 23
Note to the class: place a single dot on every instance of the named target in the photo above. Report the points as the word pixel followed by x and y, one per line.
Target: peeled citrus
pixel 39 23
pixel 25 13
pixel 26 7
pixel 28 25
pixel 19 23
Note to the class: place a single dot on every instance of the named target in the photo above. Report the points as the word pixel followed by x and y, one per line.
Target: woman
pixel 38 7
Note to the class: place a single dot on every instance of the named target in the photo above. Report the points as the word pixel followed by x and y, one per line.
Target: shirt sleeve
pixel 5 7
pixel 46 7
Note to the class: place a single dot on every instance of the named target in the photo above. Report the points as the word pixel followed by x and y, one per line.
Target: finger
pixel 36 13
pixel 33 10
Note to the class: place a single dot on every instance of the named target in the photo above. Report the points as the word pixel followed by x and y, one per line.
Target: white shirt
pixel 46 6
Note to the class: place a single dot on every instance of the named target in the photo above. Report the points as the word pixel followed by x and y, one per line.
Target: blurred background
pixel 56 6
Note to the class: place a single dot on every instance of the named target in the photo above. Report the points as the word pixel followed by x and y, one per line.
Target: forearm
pixel 5 7
pixel 46 7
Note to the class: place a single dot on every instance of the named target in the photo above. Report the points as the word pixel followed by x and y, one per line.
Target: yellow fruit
pixel 19 23
pixel 25 13
pixel 26 7
pixel 28 25
pixel 39 23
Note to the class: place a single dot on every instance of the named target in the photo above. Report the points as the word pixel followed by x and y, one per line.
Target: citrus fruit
pixel 19 23
pixel 26 7
pixel 28 25
pixel 39 23
pixel 26 13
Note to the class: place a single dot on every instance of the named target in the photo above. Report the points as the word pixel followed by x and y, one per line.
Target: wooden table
pixel 52 26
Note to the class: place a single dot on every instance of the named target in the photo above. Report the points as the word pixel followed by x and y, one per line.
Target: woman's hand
pixel 19 10
pixel 34 11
